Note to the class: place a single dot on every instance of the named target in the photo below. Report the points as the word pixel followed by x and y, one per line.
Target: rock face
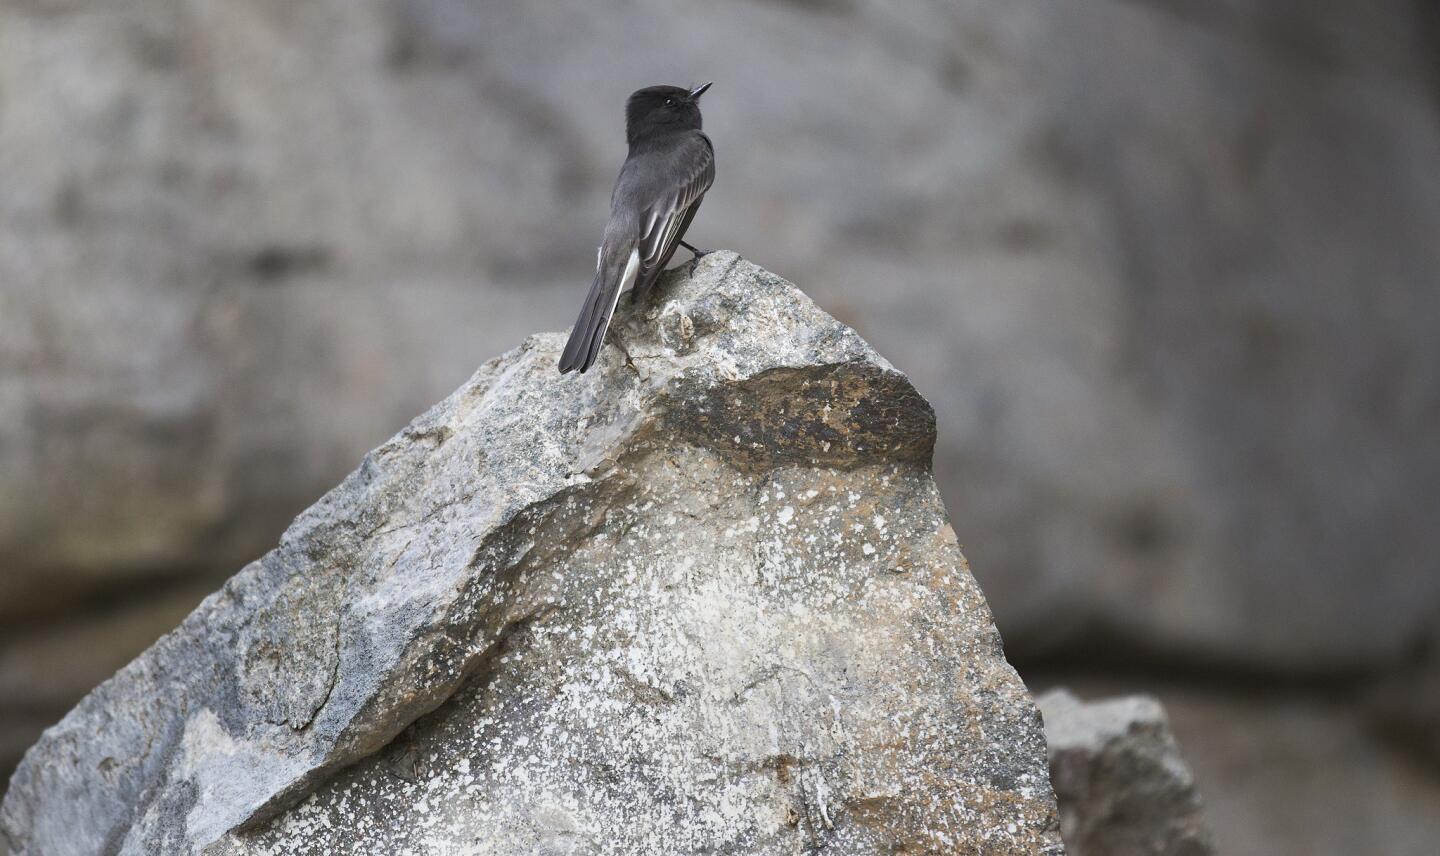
pixel 704 597
pixel 1122 786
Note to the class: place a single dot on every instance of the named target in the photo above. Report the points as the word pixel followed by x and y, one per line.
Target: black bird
pixel 670 166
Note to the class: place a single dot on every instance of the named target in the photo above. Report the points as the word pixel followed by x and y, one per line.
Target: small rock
pixel 1122 786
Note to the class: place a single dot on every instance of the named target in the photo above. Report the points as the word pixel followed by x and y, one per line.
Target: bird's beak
pixel 698 91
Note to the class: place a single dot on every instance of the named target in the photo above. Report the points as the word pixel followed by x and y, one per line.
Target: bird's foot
pixel 629 360
pixel 694 252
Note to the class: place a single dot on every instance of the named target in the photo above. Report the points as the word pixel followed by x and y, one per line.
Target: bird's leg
pixel 694 252
pixel 619 343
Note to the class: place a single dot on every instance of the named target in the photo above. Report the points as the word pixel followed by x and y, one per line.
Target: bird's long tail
pixel 615 271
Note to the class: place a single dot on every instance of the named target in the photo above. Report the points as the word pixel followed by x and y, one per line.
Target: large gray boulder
pixel 1122 785
pixel 705 597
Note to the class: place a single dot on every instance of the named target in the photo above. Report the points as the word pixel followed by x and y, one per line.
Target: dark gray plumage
pixel 670 166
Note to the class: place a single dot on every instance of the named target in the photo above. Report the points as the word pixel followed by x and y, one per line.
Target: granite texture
pixel 705 598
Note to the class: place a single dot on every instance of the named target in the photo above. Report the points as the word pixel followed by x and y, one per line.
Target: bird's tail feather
pixel 618 264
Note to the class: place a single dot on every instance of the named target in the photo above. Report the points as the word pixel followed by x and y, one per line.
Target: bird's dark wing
pixel 657 193
pixel 690 168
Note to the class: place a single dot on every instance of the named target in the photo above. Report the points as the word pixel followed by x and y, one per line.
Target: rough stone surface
pixel 1122 785
pixel 704 598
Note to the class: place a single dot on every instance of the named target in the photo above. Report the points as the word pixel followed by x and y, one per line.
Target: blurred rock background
pixel 1168 272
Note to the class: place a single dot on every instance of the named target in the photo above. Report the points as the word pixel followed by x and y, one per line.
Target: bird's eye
pixel 669 101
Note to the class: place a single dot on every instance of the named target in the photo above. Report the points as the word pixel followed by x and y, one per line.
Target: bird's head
pixel 658 109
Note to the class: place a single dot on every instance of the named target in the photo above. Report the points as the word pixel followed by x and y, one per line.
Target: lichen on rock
pixel 704 598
